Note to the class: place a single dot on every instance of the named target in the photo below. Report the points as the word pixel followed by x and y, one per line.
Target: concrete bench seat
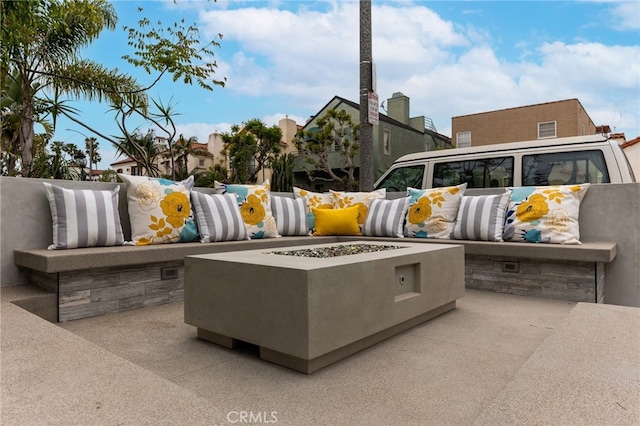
pixel 100 280
pixel 586 252
pixel 53 261
pixel 94 281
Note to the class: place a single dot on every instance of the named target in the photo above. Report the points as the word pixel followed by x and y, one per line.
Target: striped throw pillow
pixel 84 217
pixel 385 218
pixel 218 217
pixel 481 217
pixel 290 214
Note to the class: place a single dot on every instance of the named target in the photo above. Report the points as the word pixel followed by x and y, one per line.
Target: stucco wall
pixel 608 213
pixel 633 154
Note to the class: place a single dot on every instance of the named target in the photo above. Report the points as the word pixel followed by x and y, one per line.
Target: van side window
pixel 564 168
pixel 482 173
pixel 403 177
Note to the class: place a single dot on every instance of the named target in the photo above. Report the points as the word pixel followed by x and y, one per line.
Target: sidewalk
pixel 496 359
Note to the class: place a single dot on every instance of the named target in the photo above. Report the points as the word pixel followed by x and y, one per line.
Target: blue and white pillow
pixel 544 214
pixel 255 207
pixel 84 217
pixel 385 218
pixel 481 217
pixel 432 212
pixel 290 214
pixel 218 217
pixel 159 210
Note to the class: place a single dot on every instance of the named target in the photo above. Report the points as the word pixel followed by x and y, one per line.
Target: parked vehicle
pixel 558 161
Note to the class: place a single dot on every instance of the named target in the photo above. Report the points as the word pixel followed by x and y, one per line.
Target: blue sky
pixel 449 57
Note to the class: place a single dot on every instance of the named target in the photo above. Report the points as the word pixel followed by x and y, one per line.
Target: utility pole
pixel 366 175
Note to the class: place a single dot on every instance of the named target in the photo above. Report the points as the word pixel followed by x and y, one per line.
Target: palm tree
pixel 42 41
pixel 182 149
pixel 91 148
pixel 10 106
pixel 142 149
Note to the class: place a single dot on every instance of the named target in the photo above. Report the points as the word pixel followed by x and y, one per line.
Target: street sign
pixel 373 108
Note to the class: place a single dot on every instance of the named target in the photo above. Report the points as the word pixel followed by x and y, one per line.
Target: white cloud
pixel 307 56
pixel 626 16
pixel 288 56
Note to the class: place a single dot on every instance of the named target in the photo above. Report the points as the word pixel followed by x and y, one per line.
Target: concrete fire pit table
pixel 305 312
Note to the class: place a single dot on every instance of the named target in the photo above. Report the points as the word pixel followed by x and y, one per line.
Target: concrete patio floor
pixel 496 359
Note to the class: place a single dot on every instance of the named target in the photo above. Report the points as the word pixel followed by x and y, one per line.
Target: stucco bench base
pixel 306 313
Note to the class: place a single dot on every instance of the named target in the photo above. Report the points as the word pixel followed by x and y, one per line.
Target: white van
pixel 558 161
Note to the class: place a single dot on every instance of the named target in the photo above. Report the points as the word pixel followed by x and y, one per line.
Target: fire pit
pixel 307 307
pixel 335 250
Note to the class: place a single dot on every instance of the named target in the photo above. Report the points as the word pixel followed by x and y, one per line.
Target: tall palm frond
pixel 94 82
pixel 42 41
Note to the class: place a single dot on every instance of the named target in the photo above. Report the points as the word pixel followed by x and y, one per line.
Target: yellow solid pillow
pixel 336 221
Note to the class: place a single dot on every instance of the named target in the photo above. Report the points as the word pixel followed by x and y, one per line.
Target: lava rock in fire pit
pixel 335 251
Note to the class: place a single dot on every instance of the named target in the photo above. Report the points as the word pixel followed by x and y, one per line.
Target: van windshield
pixel 398 180
pixel 564 168
pixel 481 173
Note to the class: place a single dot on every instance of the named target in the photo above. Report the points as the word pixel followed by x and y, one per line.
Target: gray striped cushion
pixel 290 214
pixel 481 218
pixel 218 217
pixel 385 218
pixel 84 217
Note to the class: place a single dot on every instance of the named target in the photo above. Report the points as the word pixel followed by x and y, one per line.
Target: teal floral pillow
pixel 255 207
pixel 546 214
pixel 159 210
pixel 432 212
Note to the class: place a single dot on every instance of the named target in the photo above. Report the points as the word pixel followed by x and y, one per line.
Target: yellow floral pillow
pixel 337 221
pixel 159 210
pixel 315 200
pixel 432 212
pixel 362 200
pixel 544 214
pixel 255 207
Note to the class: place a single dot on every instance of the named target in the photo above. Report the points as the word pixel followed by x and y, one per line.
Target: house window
pixel 547 130
pixel 463 139
pixel 201 162
pixel 386 142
